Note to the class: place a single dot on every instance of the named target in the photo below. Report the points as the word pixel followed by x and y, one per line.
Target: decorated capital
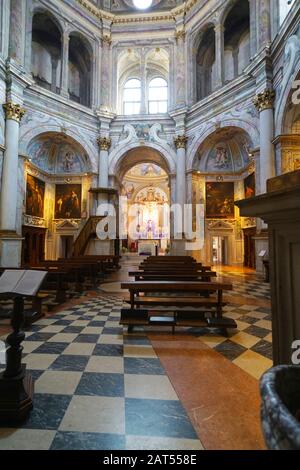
pixel 104 143
pixel 13 111
pixel 180 35
pixel 264 100
pixel 180 141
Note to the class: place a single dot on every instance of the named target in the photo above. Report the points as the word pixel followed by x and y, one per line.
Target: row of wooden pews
pixel 75 271
pixel 175 291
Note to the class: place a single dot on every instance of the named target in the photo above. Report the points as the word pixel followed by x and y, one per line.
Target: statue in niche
pixel 221 158
pixel 69 161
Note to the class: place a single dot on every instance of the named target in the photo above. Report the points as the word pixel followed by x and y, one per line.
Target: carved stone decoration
pixel 248 222
pixel 13 111
pixel 264 100
pixel 104 143
pixel 180 35
pixel 107 39
pixel 33 221
pixel 180 141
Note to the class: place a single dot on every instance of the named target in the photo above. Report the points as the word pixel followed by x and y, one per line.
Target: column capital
pixel 104 143
pixel 180 141
pixel 13 111
pixel 180 35
pixel 264 100
pixel 106 39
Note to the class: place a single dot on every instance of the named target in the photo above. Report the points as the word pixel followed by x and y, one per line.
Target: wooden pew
pixel 212 306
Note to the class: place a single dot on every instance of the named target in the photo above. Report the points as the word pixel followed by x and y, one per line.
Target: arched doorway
pixel 144 186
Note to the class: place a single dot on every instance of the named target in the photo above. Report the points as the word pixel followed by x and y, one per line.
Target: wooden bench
pixel 211 306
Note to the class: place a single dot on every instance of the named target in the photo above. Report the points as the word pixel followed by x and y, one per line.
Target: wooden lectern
pixel 16 385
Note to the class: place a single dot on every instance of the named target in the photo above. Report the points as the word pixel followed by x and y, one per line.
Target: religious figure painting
pixel 249 185
pixel 220 200
pixel 68 201
pixel 221 157
pixel 35 193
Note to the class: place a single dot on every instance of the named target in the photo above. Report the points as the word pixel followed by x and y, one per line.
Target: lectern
pixel 280 209
pixel 16 385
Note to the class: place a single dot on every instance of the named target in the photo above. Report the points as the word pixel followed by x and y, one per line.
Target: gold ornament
pixel 104 143
pixel 13 111
pixel 180 141
pixel 264 100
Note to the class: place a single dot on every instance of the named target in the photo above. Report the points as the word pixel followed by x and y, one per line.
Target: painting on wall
pixel 68 201
pixel 249 185
pixel 35 194
pixel 220 200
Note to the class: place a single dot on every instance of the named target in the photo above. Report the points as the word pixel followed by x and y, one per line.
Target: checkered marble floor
pixel 96 387
pixel 248 285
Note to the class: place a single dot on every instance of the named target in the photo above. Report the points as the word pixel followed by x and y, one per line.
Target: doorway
pixel 249 247
pixel 67 246
pixel 33 245
pixel 220 250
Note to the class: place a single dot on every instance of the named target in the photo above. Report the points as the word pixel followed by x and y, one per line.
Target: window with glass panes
pixel 158 96
pixel 132 97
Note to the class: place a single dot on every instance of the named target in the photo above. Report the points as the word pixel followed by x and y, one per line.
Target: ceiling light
pixel 142 4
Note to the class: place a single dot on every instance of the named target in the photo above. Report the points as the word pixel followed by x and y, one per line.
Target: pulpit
pixel 280 209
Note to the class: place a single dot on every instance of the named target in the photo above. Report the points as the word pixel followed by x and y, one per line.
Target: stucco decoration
pixel 226 150
pixel 57 153
pixel 36 123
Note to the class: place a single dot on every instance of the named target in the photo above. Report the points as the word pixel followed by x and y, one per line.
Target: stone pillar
pixel 180 73
pixel 104 146
pixel 105 73
pixel 178 244
pixel 264 104
pixel 65 65
pixel 10 242
pixel 219 42
pixel 253 27
pixel 264 23
pixel 54 63
pixel 17 31
pixel 143 74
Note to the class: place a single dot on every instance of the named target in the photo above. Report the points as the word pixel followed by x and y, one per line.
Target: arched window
pixel 158 96
pixel 132 97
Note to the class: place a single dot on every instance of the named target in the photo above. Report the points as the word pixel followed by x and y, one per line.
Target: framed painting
pixel 220 200
pixel 249 185
pixel 35 195
pixel 68 201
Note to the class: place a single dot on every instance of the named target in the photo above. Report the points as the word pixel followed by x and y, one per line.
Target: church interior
pixel 149 224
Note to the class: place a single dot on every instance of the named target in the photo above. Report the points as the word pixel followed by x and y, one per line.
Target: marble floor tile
pixel 79 349
pixel 25 439
pixel 30 346
pixel 264 348
pixel 139 442
pixel 244 339
pixel 101 384
pixel 144 366
pixel 105 364
pixel 110 339
pixel 264 324
pixel 95 414
pixel 92 330
pixel 229 349
pixel 108 350
pixel 58 382
pixel 156 387
pixel 39 361
pixel 80 322
pixel 139 351
pixel 63 338
pixel 70 362
pixel 51 348
pixel 52 329
pixel 163 418
pixel 253 363
pixel 48 411
pixel 65 440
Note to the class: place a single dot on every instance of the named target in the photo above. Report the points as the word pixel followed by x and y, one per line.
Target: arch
pixel 39 9
pixel 205 58
pixel 249 128
pixel 80 68
pixel 165 159
pixel 46 50
pixel 29 135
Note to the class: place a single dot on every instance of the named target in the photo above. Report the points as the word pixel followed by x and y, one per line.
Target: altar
pixel 148 247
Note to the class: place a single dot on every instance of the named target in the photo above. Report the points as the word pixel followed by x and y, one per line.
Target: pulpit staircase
pixel 87 232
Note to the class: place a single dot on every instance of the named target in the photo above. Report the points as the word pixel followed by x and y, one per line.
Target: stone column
pixel 54 63
pixel 105 73
pixel 143 74
pixel 219 42
pixel 180 72
pixel 264 104
pixel 17 31
pixel 65 65
pixel 253 28
pixel 104 146
pixel 178 245
pixel 10 242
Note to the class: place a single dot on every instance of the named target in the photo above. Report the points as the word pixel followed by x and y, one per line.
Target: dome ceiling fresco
pixel 133 6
